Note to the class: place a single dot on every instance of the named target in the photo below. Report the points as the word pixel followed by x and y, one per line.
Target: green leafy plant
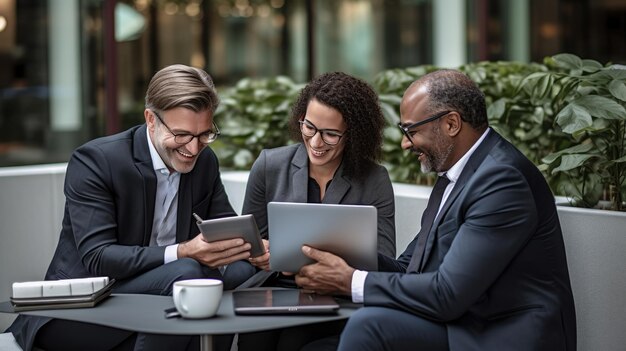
pixel 252 116
pixel 590 100
pixel 567 115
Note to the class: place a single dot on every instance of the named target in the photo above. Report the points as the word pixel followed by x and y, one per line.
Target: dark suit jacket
pixel 282 174
pixel 495 269
pixel 110 189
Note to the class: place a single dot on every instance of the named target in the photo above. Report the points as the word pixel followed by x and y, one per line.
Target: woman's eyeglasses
pixel 329 136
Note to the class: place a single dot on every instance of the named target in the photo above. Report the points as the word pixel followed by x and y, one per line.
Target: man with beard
pixel 128 214
pixel 487 271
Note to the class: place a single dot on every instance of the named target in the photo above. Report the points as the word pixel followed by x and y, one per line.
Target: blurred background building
pixel 73 70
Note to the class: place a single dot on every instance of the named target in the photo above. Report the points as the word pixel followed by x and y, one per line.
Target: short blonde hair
pixel 181 86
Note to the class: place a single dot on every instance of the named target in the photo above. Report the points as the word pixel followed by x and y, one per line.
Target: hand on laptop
pixel 262 261
pixel 216 253
pixel 329 275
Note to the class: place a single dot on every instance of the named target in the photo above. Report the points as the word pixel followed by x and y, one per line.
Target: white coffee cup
pixel 197 298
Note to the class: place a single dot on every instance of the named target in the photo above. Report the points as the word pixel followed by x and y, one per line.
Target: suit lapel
pixel 143 163
pixel 338 188
pixel 300 175
pixel 470 168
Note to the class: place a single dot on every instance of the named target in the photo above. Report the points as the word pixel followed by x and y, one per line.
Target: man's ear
pixel 453 123
pixel 149 116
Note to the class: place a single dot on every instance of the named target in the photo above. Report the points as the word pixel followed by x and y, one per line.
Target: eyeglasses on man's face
pixel 406 129
pixel 329 136
pixel 184 138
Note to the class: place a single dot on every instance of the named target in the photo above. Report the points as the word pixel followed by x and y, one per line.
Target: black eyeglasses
pixel 406 129
pixel 329 136
pixel 184 138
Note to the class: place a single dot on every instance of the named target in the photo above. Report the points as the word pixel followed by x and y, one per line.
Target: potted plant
pixel 589 101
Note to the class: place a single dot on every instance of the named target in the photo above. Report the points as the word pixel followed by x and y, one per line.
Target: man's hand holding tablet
pixel 243 227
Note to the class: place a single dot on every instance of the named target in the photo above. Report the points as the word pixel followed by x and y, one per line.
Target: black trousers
pixel 380 328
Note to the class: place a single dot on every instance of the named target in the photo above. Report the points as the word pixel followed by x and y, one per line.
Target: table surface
pixel 145 313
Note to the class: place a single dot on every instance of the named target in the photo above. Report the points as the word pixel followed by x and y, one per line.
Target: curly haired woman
pixel 338 124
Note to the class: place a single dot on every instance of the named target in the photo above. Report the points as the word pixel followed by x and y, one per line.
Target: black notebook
pixel 265 301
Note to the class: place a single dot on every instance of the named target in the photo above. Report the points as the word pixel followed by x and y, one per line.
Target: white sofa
pixel 31 209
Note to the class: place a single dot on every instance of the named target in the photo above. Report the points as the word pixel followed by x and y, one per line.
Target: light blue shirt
pixel 165 206
pixel 358 277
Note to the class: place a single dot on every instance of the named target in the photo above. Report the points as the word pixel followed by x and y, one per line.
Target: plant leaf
pixel 568 61
pixel 543 86
pixel 569 162
pixel 528 81
pixel 602 107
pixel 551 157
pixel 390 98
pixel 618 89
pixel 390 113
pixel 573 118
pixel 496 110
pixel 616 71
pixel 576 149
pixel 591 66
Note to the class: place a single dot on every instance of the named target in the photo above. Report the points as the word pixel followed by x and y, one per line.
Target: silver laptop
pixel 266 301
pixel 348 231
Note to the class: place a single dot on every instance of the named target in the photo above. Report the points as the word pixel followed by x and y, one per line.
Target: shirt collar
pixel 157 162
pixel 455 171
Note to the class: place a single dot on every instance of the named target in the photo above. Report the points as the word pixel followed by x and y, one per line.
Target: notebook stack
pixel 64 293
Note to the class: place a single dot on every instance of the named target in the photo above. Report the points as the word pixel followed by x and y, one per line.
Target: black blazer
pixel 494 269
pixel 110 189
pixel 282 174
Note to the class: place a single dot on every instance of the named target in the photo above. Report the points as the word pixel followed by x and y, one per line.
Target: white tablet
pixel 233 227
pixel 348 231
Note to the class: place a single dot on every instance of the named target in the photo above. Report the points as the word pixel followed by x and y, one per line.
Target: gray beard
pixel 434 162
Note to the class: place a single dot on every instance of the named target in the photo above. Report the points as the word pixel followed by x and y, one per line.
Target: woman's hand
pixel 262 261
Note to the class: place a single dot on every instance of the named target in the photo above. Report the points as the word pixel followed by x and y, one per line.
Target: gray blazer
pixel 282 174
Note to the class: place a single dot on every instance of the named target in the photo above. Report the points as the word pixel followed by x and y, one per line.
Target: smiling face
pixel 428 142
pixel 324 157
pixel 178 157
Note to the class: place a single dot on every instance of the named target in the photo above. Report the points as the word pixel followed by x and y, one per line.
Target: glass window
pixel 590 29
pixel 47 54
pixel 363 37
pixel 67 77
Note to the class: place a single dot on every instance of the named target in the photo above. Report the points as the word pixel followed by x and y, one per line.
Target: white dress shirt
pixel 358 277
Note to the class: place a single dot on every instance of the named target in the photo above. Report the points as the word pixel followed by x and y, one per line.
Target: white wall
pixel 31 209
pixel 595 242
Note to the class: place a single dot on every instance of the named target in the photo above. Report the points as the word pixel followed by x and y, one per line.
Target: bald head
pixel 451 90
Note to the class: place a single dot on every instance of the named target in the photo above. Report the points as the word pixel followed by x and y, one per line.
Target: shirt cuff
pixel 171 253
pixel 358 285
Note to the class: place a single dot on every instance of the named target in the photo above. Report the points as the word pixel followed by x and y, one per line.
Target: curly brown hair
pixel 359 106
